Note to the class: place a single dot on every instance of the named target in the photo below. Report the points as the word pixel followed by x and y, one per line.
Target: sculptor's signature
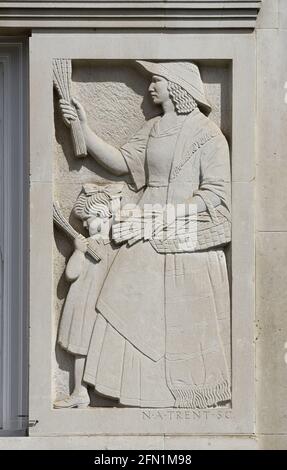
pixel 180 415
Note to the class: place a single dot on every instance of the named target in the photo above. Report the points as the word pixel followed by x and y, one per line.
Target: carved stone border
pixel 130 14
pixel 239 50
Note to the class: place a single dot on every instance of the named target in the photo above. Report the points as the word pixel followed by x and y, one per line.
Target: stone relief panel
pixel 142 229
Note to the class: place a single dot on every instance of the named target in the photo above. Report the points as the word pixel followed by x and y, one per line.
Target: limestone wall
pixel 271 224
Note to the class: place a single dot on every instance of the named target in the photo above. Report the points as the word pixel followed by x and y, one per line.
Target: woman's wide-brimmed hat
pixel 185 74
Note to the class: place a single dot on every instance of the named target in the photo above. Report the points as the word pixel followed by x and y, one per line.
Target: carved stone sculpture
pixel 86 274
pixel 161 332
pixel 62 74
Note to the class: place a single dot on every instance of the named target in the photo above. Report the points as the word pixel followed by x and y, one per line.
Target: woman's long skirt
pixel 162 333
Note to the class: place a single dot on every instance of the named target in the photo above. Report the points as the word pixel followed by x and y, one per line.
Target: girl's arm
pixel 76 262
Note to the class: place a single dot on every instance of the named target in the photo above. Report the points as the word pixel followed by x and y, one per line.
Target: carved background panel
pixel 116 99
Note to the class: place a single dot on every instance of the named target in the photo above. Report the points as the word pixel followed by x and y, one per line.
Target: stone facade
pixel 245 82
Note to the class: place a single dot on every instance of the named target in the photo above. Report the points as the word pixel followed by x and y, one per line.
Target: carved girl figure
pixel 94 206
pixel 162 334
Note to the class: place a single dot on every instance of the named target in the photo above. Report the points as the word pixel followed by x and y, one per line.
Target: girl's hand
pixel 81 244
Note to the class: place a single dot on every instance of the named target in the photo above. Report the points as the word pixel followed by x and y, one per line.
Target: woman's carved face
pixel 159 90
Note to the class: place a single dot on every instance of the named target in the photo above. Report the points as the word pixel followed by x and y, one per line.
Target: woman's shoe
pixel 73 401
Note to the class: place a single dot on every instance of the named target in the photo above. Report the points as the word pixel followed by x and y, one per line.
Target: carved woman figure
pixel 94 206
pixel 162 334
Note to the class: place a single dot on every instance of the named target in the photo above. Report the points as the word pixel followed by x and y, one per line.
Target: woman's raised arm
pixel 105 154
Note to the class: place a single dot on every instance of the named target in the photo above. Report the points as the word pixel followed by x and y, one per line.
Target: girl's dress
pixel 79 313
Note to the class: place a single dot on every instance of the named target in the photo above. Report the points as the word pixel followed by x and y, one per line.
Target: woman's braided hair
pixel 183 101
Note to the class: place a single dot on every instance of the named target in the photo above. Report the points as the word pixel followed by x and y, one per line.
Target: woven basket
pixel 213 230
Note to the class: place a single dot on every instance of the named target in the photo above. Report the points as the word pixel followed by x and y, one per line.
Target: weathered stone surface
pixel 273 442
pixel 131 14
pixel 271 131
pixel 271 306
pixel 211 443
pixel 271 236
pixel 116 100
pixel 83 443
pixel 268 17
pixel 282 13
pixel 215 59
